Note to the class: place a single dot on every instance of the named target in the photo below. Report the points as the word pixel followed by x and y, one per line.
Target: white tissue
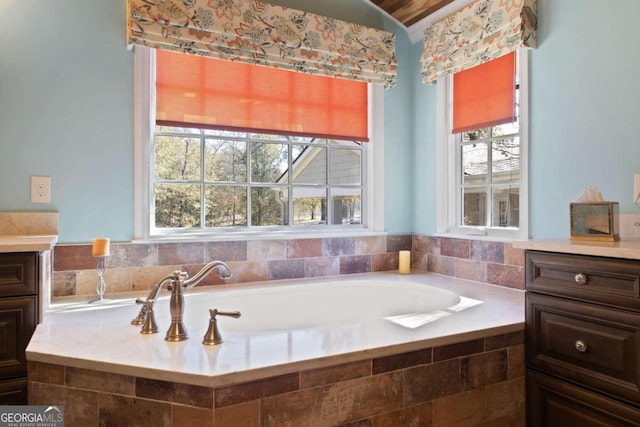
pixel 590 194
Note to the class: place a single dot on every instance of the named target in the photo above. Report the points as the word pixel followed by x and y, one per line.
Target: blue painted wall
pixel 66 111
pixel 424 159
pixel 584 108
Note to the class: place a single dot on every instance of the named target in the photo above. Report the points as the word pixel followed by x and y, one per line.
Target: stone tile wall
pixel 496 263
pixel 473 383
pixel 137 266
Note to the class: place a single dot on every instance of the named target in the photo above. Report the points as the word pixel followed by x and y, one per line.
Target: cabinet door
pixel 585 343
pixel 18 274
pixel 17 323
pixel 554 403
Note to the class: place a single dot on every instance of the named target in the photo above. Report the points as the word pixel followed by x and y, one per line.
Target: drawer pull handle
pixel 580 279
pixel 581 346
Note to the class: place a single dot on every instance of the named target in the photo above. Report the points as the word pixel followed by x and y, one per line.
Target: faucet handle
pixel 180 275
pixel 213 337
pixel 149 326
pixel 142 314
pixel 179 278
pixel 141 317
pixel 215 312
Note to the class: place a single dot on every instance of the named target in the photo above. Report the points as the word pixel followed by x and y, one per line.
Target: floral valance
pixel 480 32
pixel 261 33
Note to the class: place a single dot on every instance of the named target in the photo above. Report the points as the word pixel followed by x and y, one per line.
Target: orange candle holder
pixel 100 249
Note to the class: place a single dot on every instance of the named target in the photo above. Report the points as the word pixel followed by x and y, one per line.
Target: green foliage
pixel 267 207
pixel 177 205
pixel 179 170
pixel 225 206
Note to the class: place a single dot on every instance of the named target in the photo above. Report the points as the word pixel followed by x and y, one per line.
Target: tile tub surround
pixel 477 382
pixel 495 263
pixel 467 365
pixel 137 266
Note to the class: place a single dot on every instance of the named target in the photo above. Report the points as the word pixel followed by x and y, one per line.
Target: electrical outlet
pixel 40 189
pixel 629 226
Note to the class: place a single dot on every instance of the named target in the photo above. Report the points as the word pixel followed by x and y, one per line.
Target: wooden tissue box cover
pixel 595 221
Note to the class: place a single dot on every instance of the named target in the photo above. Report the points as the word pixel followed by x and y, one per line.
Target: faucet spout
pixel 223 268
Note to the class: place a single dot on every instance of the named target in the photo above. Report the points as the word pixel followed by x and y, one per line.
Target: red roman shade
pixel 484 95
pixel 195 91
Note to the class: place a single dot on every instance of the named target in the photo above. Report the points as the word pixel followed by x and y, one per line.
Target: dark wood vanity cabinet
pixel 18 318
pixel 582 340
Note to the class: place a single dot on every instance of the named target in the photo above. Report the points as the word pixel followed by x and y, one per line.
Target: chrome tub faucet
pixel 178 281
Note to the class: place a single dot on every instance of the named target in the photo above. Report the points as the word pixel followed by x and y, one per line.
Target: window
pixel 222 179
pixel 193 180
pixel 482 173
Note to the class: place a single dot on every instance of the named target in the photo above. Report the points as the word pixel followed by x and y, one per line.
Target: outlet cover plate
pixel 40 189
pixel 629 226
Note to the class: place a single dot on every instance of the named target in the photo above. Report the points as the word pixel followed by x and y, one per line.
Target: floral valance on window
pixel 480 32
pixel 261 33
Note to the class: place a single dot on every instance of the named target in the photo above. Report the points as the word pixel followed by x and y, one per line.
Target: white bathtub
pixel 289 307
pixel 285 326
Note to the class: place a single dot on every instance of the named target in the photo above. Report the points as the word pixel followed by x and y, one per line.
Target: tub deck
pixel 100 338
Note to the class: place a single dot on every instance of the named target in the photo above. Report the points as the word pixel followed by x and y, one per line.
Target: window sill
pixel 486 238
pixel 259 235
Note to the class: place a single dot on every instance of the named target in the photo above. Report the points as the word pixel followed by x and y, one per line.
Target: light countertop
pixel 101 337
pixel 629 249
pixel 27 243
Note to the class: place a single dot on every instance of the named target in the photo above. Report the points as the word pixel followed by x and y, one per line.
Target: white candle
pixel 100 247
pixel 404 262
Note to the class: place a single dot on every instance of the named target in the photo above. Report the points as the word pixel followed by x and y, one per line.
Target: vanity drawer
pixel 555 403
pixel 587 344
pixel 609 281
pixel 18 274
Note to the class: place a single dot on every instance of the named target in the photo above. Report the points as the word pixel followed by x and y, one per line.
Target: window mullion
pixel 248 183
pixel 459 181
pixel 203 192
pixel 489 199
pixel 289 183
pixel 328 188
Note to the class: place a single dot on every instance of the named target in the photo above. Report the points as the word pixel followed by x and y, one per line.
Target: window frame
pixel 144 128
pixel 448 164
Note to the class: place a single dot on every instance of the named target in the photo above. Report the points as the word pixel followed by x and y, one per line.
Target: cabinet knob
pixel 581 346
pixel 580 279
